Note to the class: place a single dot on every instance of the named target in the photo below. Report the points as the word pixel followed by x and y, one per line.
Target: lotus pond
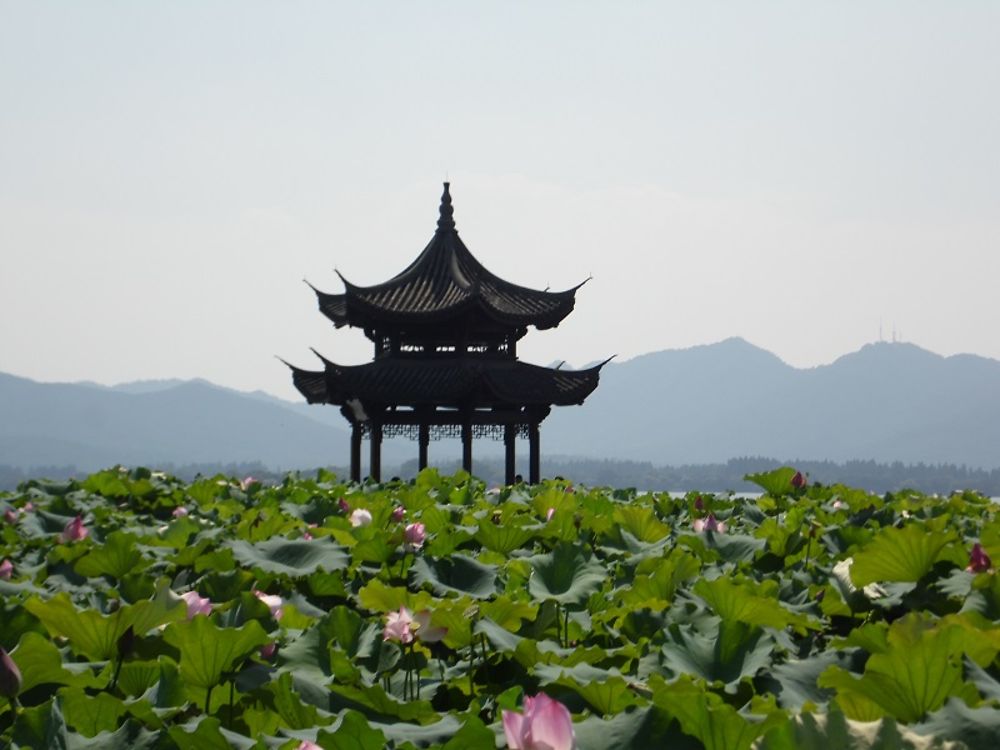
pixel 139 611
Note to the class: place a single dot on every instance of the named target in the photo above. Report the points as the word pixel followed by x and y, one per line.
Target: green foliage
pixel 821 617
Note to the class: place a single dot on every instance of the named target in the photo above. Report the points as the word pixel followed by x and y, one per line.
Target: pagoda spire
pixel 446 223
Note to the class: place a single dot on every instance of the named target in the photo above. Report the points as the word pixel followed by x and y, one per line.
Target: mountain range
pixel 705 404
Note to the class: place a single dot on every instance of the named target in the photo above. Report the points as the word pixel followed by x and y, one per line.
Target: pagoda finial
pixel 447 221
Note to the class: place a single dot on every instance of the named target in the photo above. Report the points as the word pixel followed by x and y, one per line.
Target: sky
pixel 803 175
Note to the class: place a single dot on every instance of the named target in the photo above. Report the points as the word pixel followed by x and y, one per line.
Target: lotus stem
pixel 208 701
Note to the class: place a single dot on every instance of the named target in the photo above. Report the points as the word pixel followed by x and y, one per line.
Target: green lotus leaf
pixel 905 554
pixel 291 557
pixel 353 733
pixel 976 727
pixel 40 663
pixel 208 651
pixel 293 712
pixel 749 603
pixel 725 652
pixel 117 557
pixel 656 589
pixel 474 735
pixel 42 727
pixel 919 670
pixel 508 613
pixel 704 716
pixel 775 483
pixel 502 538
pixel 91 714
pixel 604 691
pixel 96 635
pixel 457 574
pixel 378 705
pixel 565 575
pixel 808 731
pixel 136 677
pixel 378 597
pixel 641 522
pixel 206 735
pixel 637 729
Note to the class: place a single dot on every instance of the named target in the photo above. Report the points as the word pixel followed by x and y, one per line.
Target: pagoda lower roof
pixel 479 382
pixel 444 282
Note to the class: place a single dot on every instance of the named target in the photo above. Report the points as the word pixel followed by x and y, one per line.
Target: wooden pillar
pixel 375 463
pixel 534 454
pixel 424 440
pixel 509 436
pixel 356 430
pixel 467 444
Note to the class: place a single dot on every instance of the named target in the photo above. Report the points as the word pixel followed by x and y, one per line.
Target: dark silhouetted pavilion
pixel 445 331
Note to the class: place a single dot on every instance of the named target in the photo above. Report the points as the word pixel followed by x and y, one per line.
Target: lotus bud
pixel 549 513
pixel 6 570
pixel 268 650
pixel 274 603
pixel 415 535
pixel 699 504
pixel 979 561
pixel 709 523
pixel 179 512
pixel 126 643
pixel 10 516
pixel 398 513
pixel 75 530
pixel 798 481
pixel 196 604
pixel 10 676
pixel 546 724
pixel 361 517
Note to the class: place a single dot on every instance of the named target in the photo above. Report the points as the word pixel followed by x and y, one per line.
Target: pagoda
pixel 445 332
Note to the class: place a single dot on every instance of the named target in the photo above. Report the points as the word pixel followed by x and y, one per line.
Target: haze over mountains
pixel 707 404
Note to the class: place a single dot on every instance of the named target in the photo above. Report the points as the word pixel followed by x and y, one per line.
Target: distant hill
pixel 886 402
pixel 704 405
pixel 180 423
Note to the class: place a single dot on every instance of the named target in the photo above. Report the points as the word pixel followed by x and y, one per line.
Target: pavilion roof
pixel 455 381
pixel 443 282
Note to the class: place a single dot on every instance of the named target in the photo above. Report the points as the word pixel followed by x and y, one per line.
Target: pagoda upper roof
pixel 444 282
pixel 456 381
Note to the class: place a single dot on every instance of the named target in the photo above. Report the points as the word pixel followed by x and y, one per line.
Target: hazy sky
pixel 790 172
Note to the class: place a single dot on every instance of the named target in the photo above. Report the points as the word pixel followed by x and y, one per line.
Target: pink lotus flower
pixel 979 561
pixel 414 535
pixel 6 569
pixel 308 745
pixel 274 603
pixel 179 512
pixel 398 513
pixel 196 604
pixel 28 507
pixel 268 650
pixel 75 530
pixel 545 725
pixel 247 482
pixel 798 481
pixel 10 516
pixel 361 517
pixel 404 626
pixel 307 537
pixel 10 676
pixel 710 523
pixel 839 504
